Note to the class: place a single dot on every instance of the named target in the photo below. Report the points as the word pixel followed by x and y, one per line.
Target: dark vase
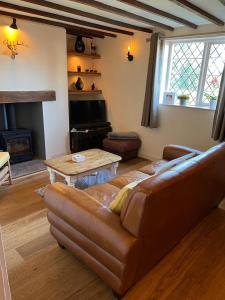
pixel 93 87
pixel 79 84
pixel 79 45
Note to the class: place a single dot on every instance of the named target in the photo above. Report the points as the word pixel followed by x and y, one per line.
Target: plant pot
pixel 213 103
pixel 183 102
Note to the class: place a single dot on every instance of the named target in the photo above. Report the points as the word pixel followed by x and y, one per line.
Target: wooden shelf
pixel 84 55
pixel 95 92
pixel 84 73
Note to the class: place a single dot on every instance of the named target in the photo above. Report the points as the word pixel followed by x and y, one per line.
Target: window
pixel 195 68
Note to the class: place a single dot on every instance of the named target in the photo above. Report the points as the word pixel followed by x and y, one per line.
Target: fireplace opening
pixel 22 131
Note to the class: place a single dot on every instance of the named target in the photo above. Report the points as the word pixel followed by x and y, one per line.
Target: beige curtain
pixel 218 132
pixel 152 93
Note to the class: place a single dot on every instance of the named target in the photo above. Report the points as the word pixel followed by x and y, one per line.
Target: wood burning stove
pixel 16 141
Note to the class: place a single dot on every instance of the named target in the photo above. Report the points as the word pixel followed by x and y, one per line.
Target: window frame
pixel 168 55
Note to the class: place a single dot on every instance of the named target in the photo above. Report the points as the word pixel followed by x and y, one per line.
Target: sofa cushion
pixel 152 168
pixel 160 166
pixel 127 178
pixel 103 193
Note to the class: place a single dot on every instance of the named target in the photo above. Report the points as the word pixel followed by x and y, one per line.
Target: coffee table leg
pixel 70 181
pixel 52 175
pixel 114 168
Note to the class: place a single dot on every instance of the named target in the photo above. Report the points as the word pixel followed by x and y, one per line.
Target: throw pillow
pixel 117 204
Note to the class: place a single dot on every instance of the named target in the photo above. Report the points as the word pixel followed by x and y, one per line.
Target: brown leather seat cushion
pixel 104 193
pixel 127 178
pixel 153 167
pixel 121 145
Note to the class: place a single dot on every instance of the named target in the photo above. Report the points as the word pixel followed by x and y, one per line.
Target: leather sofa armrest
pixel 90 218
pixel 174 151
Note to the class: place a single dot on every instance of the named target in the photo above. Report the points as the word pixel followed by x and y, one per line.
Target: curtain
pixel 218 131
pixel 152 93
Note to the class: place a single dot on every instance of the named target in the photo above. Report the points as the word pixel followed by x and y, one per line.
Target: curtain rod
pixel 199 35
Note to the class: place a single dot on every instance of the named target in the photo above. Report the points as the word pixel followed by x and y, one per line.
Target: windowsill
pixel 188 106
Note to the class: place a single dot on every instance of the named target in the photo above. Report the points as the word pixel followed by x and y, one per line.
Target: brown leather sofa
pixel 155 217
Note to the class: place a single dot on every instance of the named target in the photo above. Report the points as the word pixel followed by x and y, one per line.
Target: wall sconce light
pixel 130 57
pixel 11 42
pixel 14 25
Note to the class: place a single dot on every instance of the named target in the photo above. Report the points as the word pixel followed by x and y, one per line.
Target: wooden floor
pixel 40 270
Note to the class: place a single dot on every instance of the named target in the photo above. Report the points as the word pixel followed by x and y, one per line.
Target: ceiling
pixel 214 7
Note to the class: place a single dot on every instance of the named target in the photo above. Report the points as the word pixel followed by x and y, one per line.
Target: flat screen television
pixel 87 112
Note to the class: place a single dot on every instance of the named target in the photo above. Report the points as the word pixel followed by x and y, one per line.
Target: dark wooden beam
pixel 199 11
pixel 121 12
pixel 86 15
pixel 27 96
pixel 222 1
pixel 76 30
pixel 61 18
pixel 153 10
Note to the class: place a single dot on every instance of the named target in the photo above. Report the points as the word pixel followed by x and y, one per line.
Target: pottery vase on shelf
pixel 79 85
pixel 93 87
pixel 79 45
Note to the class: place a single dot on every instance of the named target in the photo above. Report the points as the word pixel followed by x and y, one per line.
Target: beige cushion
pixel 172 163
pixel 4 158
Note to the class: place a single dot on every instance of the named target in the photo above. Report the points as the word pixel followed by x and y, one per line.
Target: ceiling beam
pixel 153 10
pixel 199 11
pixel 121 12
pixel 76 30
pixel 61 17
pixel 81 13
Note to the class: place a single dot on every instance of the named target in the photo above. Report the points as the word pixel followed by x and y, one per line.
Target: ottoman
pixel 127 149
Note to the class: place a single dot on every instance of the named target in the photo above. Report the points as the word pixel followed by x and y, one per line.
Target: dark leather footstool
pixel 127 149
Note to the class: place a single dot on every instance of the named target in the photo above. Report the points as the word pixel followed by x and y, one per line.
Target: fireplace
pixel 22 131
pixel 16 141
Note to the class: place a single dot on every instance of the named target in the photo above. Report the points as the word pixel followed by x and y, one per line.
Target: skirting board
pixel 148 157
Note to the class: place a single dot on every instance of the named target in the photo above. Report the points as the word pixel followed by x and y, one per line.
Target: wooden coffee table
pixel 96 160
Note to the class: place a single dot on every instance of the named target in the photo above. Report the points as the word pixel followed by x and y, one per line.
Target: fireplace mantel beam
pixel 26 96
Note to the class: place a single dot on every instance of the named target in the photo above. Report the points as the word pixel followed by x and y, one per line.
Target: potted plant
pixel 183 99
pixel 212 101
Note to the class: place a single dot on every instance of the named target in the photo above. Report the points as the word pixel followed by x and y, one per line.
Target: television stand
pixel 88 138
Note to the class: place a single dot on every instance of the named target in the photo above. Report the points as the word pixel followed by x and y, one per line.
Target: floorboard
pixel 39 269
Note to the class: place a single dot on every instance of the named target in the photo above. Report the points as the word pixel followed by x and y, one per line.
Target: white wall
pixel 123 86
pixel 42 65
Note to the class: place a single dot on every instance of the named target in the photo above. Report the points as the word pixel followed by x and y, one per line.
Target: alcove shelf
pixel 85 92
pixel 85 73
pixel 85 55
